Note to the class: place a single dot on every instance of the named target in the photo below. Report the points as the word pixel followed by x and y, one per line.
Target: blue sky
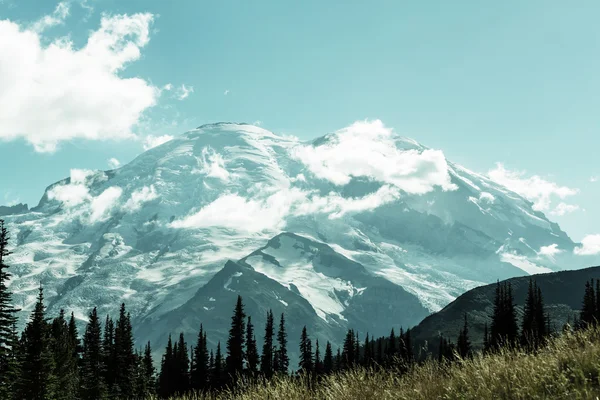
pixel 509 82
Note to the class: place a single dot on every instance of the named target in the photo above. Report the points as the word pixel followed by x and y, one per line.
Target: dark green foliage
pixel 125 358
pixel 348 351
pixel 218 373
pixel 283 361
pixel 199 374
pixel 8 335
pixel 37 379
pixel 92 357
pixel 463 344
pixel 235 342
pixel 252 357
pixel 182 366
pixel 589 306
pixel 266 361
pixel 318 367
pixel 328 359
pixel 64 353
pixel 109 357
pixel 166 378
pixel 534 327
pixel 504 329
pixel 306 356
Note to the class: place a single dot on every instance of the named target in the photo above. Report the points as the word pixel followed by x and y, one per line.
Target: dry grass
pixel 567 368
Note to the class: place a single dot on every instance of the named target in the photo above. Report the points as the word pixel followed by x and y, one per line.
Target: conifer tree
pixel 217 380
pixel 36 378
pixel 338 361
pixel 356 350
pixel 380 352
pixel 8 362
pixel 588 308
pixel 328 359
pixel 109 358
pixel 512 328
pixel 266 361
pixel 200 371
pixel 166 378
pixel 463 343
pixel 148 371
pixel 318 368
pixel 348 350
pixel 252 357
pixel 125 359
pixel 409 355
pixel 283 360
pixel 65 361
pixel 367 351
pixel 235 342
pixel 182 366
pixel 306 356
pixel 92 382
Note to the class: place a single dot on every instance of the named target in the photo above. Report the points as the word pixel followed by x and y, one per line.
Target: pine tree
pixel 409 357
pixel 109 358
pixel 182 366
pixel 542 319
pixel 37 379
pixel 338 361
pixel 125 359
pixel 356 350
pixel 588 308
pixel 200 372
pixel 504 328
pixel 217 380
pixel 8 364
pixel 148 371
pixel 65 361
pixel 463 343
pixel 166 377
pixel 252 357
pixel 283 361
pixel 306 356
pixel 391 349
pixel 348 350
pixel 235 342
pixel 367 352
pixel 92 382
pixel 328 359
pixel 266 361
pixel 318 362
pixel 512 329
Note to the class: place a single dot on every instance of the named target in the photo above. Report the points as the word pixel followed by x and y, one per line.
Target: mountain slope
pixel 562 292
pixel 157 230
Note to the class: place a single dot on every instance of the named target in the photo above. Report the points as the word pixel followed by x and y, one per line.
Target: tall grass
pixel 568 367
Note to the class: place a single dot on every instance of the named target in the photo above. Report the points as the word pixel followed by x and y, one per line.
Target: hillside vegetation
pixel 568 367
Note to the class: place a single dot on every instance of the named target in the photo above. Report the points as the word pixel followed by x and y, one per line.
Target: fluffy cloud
pixel 590 246
pixel 101 205
pixel 212 164
pixel 153 141
pixel 139 197
pixel 75 192
pixel 368 149
pixel 563 209
pixel 183 92
pixel 593 179
pixel 113 163
pixel 536 189
pixel 550 250
pixel 56 92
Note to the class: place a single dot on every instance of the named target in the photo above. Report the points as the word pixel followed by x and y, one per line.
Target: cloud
pixel 75 192
pixel 563 209
pixel 139 197
pixel 184 91
pixel 549 251
pixel 61 12
pixel 594 179
pixel 536 189
pixel 590 246
pixel 487 197
pixel 153 141
pixel 368 149
pixel 113 163
pixel 213 164
pixel 56 92
pixel 226 92
pixel 102 204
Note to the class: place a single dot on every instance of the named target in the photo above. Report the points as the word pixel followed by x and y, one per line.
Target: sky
pixel 509 89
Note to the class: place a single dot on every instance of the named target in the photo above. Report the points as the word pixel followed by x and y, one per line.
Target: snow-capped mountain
pixel 380 231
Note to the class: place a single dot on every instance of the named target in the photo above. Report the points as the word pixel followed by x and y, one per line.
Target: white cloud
pixel 487 197
pixel 213 164
pixel 563 209
pixel 140 197
pixel 104 203
pixel 56 92
pixel 113 163
pixel 168 87
pixel 590 246
pixel 368 149
pixel 75 192
pixel 226 92
pixel 153 141
pixel 550 250
pixel 61 12
pixel 536 189
pixel 594 179
pixel 183 92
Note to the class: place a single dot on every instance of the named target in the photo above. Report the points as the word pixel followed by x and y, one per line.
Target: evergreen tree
pixel 328 359
pixel 36 379
pixel 348 350
pixel 318 362
pixel 588 308
pixel 463 343
pixel 380 352
pixel 125 359
pixel 367 351
pixel 65 361
pixel 182 366
pixel 147 372
pixel 409 355
pixel 92 382
pixel 356 350
pixel 504 328
pixel 306 356
pixel 109 358
pixel 235 342
pixel 166 378
pixel 338 361
pixel 252 357
pixel 8 343
pixel 217 380
pixel 266 361
pixel 283 361
pixel 200 371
